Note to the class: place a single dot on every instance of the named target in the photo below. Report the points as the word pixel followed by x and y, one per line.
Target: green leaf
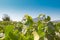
pixel 8 29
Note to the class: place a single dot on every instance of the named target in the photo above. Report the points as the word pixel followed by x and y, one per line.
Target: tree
pixel 6 18
pixel 48 18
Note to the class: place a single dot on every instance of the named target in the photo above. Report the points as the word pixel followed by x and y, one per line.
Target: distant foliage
pixel 30 30
pixel 6 18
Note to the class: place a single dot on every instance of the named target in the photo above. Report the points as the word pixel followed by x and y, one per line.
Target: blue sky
pixel 17 8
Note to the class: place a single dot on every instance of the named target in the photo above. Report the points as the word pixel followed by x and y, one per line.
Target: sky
pixel 16 9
